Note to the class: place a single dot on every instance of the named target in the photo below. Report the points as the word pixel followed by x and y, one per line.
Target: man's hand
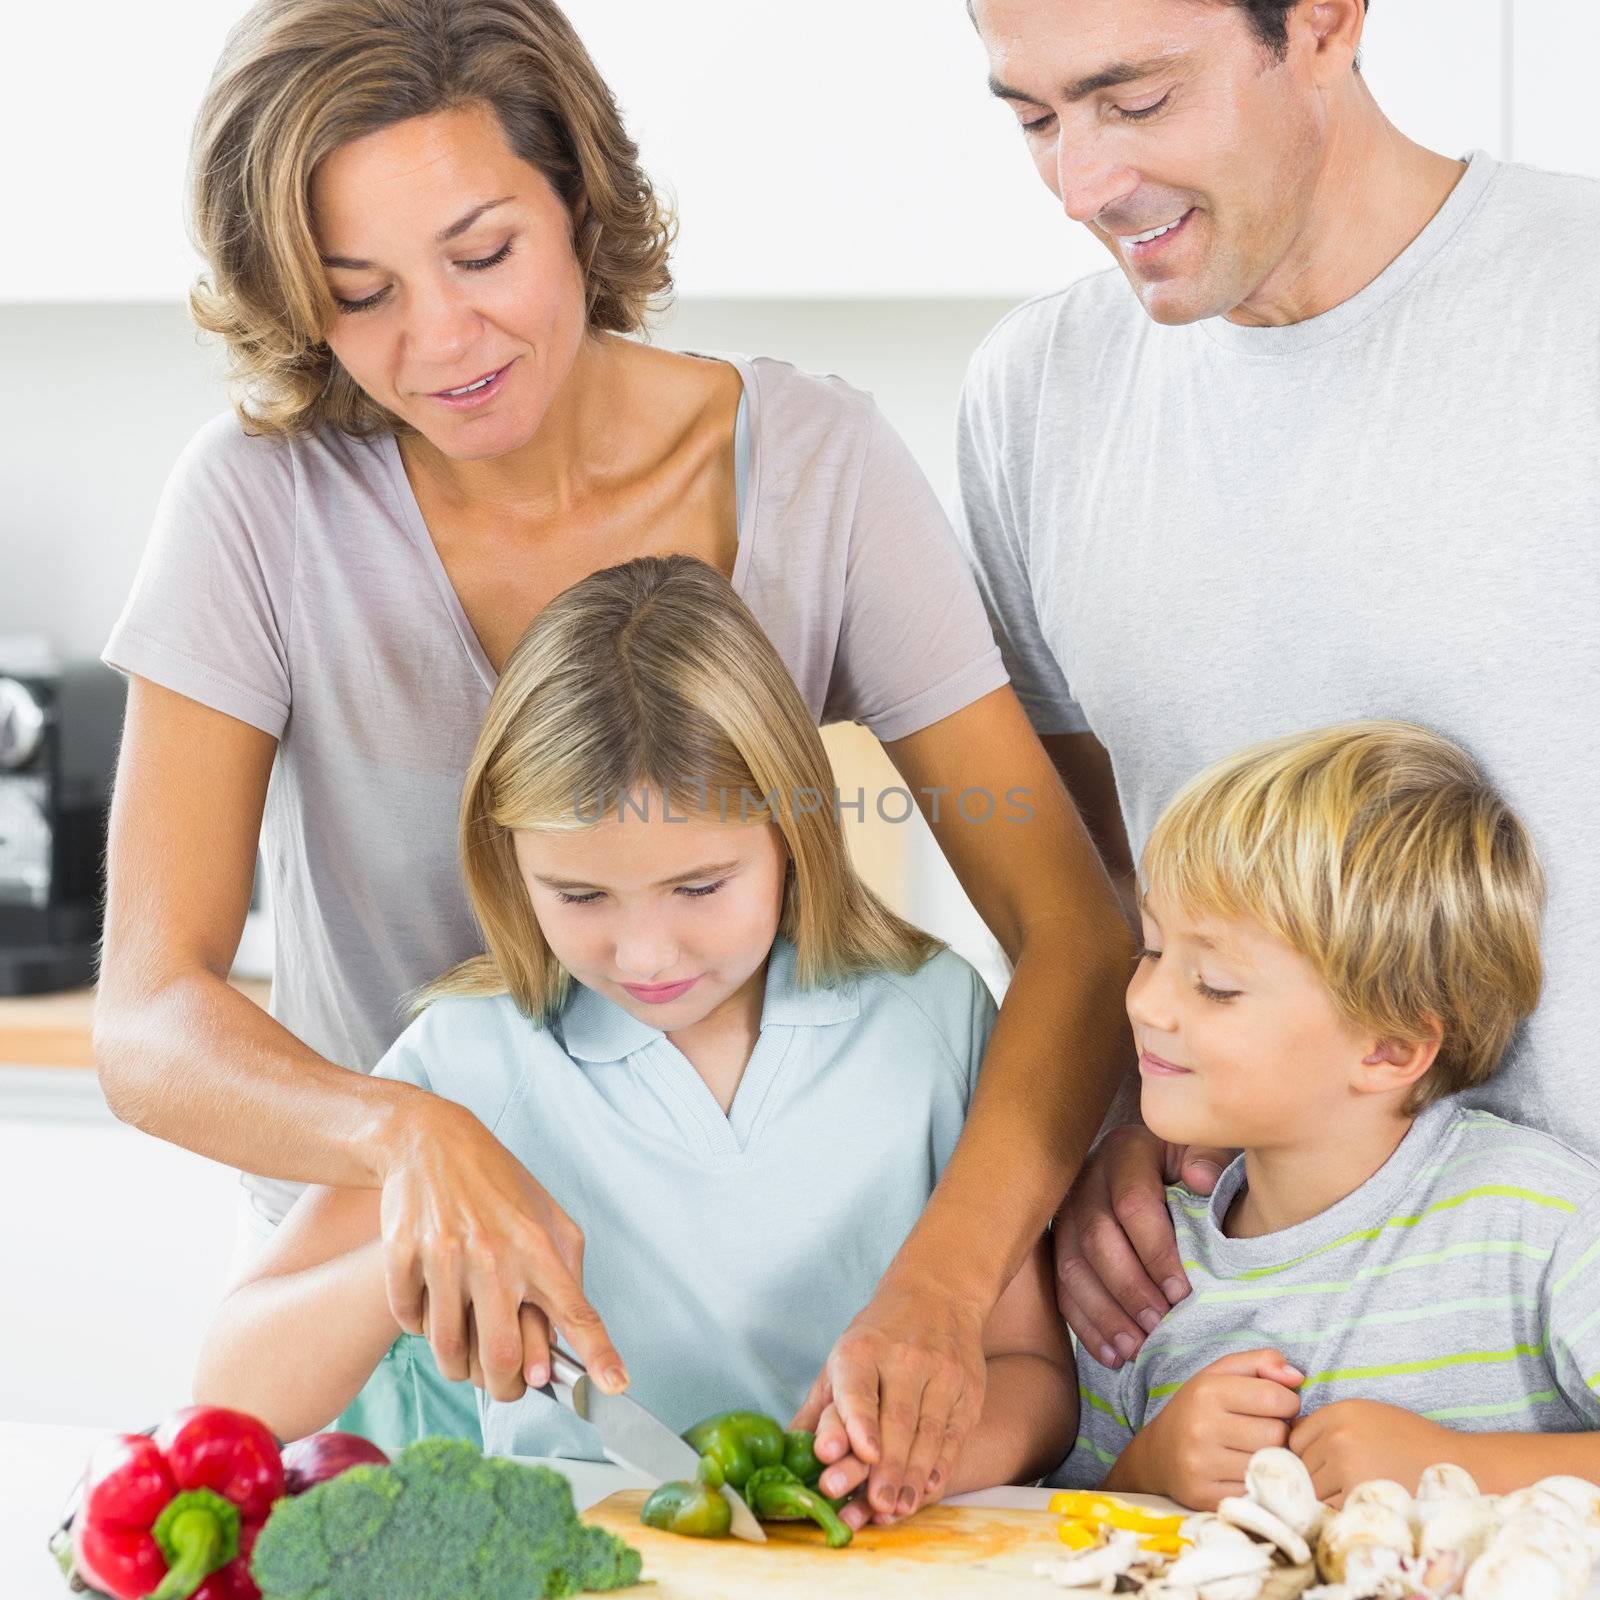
pixel 1198 1445
pixel 1117 1266
pixel 481 1260
pixel 901 1389
pixel 1350 1441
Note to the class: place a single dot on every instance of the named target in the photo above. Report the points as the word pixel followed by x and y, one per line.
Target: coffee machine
pixel 59 731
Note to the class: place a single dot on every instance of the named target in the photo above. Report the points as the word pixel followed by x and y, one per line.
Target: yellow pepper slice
pixel 1078 1535
pixel 1084 1505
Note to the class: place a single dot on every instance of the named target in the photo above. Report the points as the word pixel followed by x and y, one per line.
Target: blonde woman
pixel 429 246
pixel 736 1069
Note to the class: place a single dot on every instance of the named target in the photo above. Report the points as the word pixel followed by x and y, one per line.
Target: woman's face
pixel 451 261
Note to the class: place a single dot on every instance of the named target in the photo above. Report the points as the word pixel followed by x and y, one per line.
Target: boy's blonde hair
pixel 653 679
pixel 1380 853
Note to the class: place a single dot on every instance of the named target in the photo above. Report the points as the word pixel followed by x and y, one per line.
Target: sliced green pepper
pixel 696 1510
pixel 775 1494
pixel 739 1442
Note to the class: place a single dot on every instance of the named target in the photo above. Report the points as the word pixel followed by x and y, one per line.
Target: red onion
pixel 313 1460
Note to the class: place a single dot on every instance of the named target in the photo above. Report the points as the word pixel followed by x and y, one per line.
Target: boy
pixel 1341 934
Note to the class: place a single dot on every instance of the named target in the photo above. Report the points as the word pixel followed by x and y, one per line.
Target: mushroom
pixel 1381 1492
pixel 1277 1480
pixel 1255 1518
pixel 1367 1524
pixel 1458 1528
pixel 1584 1498
pixel 1509 1573
pixel 1558 1541
pixel 1222 1570
pixel 1097 1567
pixel 1446 1481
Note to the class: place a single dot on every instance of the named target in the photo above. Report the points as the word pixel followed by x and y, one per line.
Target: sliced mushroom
pixel 1097 1567
pixel 1278 1480
pixel 1222 1570
pixel 1255 1518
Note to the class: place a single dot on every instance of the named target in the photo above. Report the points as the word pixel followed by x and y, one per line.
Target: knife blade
pixel 636 1438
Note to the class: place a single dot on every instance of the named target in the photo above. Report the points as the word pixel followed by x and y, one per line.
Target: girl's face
pixel 1240 1042
pixel 672 917
pixel 451 261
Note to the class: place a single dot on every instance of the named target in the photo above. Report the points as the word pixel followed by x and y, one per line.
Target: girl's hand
pixel 1198 1445
pixel 480 1260
pixel 1350 1441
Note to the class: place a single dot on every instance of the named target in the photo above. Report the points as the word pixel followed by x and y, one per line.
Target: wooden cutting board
pixel 946 1550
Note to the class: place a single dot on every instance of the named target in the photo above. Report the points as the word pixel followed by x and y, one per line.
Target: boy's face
pixel 1240 1044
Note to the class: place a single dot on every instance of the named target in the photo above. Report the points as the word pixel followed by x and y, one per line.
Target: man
pixel 1336 455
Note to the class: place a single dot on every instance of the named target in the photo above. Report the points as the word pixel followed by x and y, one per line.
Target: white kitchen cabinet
pixel 834 148
pixel 1554 120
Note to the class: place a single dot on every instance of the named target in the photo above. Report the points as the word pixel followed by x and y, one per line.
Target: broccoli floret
pixel 441 1522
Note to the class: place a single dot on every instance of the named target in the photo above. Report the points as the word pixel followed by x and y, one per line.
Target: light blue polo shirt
pixel 726 1253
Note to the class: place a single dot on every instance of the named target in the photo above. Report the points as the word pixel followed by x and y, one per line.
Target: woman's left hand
pixel 901 1389
pixel 1350 1441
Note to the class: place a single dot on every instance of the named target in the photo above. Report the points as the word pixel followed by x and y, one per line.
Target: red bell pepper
pixel 175 1517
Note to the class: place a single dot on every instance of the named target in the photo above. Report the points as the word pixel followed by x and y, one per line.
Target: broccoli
pixel 441 1522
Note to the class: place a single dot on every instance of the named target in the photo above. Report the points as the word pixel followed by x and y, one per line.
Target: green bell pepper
pixel 776 1495
pixel 739 1442
pixel 696 1510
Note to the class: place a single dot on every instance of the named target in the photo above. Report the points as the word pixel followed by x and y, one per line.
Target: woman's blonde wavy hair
pixel 653 679
pixel 299 78
pixel 1380 853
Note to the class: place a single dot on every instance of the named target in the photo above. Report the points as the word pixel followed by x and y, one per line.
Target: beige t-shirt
pixel 293 584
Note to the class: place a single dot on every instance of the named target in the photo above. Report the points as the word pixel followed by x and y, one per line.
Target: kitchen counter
pixel 39 1465
pixel 53 1030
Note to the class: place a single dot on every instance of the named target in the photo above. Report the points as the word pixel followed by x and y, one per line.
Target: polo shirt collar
pixel 594 1028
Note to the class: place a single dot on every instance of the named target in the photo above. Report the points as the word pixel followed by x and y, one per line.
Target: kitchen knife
pixel 635 1438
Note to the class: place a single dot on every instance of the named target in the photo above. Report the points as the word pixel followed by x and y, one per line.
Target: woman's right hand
pixel 1117 1267
pixel 482 1262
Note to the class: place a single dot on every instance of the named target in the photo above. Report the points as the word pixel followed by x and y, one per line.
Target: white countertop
pixel 39 1464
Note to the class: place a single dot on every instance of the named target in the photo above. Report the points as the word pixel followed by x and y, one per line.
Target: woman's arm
pixel 295 1339
pixel 186 1057
pixel 908 1374
pixel 1030 1405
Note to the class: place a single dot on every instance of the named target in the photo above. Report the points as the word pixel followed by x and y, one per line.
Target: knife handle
pixel 565 1369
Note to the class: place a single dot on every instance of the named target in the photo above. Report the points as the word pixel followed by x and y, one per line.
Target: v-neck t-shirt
pixel 726 1253
pixel 293 584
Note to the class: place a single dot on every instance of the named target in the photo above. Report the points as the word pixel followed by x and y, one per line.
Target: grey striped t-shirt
pixel 1460 1282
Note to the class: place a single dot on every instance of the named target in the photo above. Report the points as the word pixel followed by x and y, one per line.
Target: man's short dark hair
pixel 1270 19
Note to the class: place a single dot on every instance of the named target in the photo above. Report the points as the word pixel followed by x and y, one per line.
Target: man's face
pixel 1150 115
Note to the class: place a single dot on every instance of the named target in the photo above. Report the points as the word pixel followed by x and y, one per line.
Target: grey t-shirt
pixel 1457 1282
pixel 294 585
pixel 1192 538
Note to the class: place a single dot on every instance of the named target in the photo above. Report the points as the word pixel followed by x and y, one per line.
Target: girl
pixel 737 1072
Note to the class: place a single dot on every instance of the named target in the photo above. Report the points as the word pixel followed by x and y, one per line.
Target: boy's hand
pixel 1196 1449
pixel 1353 1440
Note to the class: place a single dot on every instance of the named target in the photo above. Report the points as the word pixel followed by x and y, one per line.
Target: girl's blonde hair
pixel 1380 853
pixel 646 680
pixel 299 78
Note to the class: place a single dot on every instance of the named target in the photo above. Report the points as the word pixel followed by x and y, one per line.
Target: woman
pixel 429 240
